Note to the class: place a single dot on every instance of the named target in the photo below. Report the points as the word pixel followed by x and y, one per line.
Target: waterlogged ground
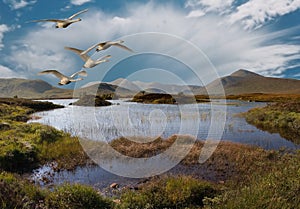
pixel 131 120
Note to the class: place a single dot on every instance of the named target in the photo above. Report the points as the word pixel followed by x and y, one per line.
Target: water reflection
pixel 131 120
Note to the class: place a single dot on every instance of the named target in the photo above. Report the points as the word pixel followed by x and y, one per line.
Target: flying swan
pixel 63 23
pixel 106 45
pixel 89 62
pixel 64 80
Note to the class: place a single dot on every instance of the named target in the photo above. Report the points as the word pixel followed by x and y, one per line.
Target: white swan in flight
pixel 89 62
pixel 106 45
pixel 64 80
pixel 63 23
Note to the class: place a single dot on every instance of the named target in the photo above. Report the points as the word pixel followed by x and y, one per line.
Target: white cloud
pixel 205 6
pixel 3 29
pixel 18 4
pixel 79 2
pixel 196 13
pixel 252 13
pixel 255 13
pixel 229 47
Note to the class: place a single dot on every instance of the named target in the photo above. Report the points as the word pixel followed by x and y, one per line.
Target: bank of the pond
pixel 235 176
pixel 27 146
pixel 280 117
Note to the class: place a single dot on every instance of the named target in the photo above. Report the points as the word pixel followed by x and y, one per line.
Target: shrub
pixel 76 196
pixel 16 193
pixel 17 157
pixel 172 192
pixel 277 189
pixel 282 118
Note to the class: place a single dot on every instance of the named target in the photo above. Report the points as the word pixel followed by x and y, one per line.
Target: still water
pixel 133 120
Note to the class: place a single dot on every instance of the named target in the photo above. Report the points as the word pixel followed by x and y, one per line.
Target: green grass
pixel 172 192
pixel 277 188
pixel 261 97
pixel 27 146
pixel 254 178
pixel 282 118
pixel 76 197
pixel 18 193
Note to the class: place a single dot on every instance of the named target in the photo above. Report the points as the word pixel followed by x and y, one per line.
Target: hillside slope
pixel 245 82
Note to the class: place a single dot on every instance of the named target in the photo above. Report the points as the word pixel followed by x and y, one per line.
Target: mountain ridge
pixel 245 82
pixel 239 82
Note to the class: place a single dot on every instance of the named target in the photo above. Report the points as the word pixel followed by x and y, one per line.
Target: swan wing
pixel 54 72
pixel 89 49
pixel 82 73
pixel 105 57
pixel 123 47
pixel 78 13
pixel 80 52
pixel 48 20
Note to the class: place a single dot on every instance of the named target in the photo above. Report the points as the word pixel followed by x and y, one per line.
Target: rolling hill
pixel 239 82
pixel 245 82
pixel 154 87
pixel 25 88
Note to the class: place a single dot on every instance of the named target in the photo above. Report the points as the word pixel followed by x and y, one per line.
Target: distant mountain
pixel 25 88
pixel 239 82
pixel 31 89
pixel 103 88
pixel 154 87
pixel 244 82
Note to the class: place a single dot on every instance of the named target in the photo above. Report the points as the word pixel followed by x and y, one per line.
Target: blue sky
pixel 195 40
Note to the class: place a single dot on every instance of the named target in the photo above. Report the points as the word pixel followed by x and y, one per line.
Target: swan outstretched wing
pixel 105 57
pixel 123 47
pixel 78 13
pixel 48 20
pixel 89 49
pixel 82 73
pixel 54 72
pixel 82 55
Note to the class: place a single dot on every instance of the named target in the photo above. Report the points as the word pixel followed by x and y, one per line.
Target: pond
pixel 130 120
pixel 134 120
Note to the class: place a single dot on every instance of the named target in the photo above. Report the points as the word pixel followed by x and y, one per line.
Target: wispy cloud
pixel 3 29
pixel 255 13
pixel 201 7
pixel 252 14
pixel 229 47
pixel 80 2
pixel 18 4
